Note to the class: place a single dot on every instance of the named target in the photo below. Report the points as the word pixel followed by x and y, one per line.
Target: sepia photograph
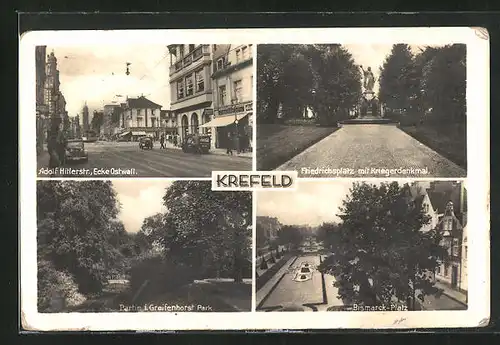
pixel 362 246
pixel 362 110
pixel 178 110
pixel 142 246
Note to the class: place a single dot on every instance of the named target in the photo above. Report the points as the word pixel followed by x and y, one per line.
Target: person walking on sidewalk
pixel 162 142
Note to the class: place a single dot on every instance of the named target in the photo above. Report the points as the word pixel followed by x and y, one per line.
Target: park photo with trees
pixel 424 88
pixel 303 91
pixel 195 254
pixel 380 254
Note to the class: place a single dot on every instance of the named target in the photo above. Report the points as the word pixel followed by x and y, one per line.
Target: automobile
pixel 196 144
pixel 75 151
pixel 145 143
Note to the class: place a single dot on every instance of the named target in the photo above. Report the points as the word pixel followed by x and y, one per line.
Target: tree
pixel 398 80
pixel 382 253
pixel 328 233
pixel 290 234
pixel 76 231
pixel 206 230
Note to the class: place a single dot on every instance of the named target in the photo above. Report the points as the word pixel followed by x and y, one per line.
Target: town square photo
pixel 362 110
pixel 178 110
pixel 142 246
pixel 362 246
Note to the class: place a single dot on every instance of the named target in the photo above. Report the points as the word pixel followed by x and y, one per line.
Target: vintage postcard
pixel 151 201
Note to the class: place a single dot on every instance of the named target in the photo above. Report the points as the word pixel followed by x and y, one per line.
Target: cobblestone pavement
pixel 158 162
pixel 369 151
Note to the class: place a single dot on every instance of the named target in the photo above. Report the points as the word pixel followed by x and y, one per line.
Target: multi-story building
pixel 75 128
pixel 267 229
pixel 85 118
pixel 191 87
pixel 41 108
pixel 168 123
pixel 233 95
pixel 53 99
pixel 449 199
pixel 140 117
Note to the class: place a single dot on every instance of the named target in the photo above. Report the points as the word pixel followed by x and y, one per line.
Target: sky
pixel 372 55
pixel 313 203
pixel 96 74
pixel 139 199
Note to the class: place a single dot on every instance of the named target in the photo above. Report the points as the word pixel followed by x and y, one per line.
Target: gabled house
pixel 140 117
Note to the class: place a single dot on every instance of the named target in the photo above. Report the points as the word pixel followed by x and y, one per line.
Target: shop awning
pixel 223 121
pixel 139 133
pixel 124 133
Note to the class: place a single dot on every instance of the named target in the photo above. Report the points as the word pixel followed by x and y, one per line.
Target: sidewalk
pixel 268 286
pixel 217 151
pixel 451 293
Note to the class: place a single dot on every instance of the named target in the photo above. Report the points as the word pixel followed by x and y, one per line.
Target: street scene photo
pixel 181 110
pixel 362 246
pixel 362 110
pixel 142 246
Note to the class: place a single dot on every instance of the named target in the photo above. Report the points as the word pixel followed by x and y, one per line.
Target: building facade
pixel 449 200
pixel 168 124
pixel 140 117
pixel 191 87
pixel 75 128
pixel 41 108
pixel 267 229
pixel 232 78
pixel 54 103
pixel 85 119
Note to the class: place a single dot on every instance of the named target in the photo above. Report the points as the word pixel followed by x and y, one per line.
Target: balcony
pixel 192 100
pixel 194 58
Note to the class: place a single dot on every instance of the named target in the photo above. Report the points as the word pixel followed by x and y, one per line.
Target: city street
pixel 126 159
pixel 368 150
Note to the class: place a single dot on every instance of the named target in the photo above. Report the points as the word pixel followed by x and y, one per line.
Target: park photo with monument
pixel 362 110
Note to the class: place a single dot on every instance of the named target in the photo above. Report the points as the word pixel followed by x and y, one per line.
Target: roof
pixel 142 103
pixel 439 199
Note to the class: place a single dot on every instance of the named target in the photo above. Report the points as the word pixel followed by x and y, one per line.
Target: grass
pixel 278 143
pixel 450 143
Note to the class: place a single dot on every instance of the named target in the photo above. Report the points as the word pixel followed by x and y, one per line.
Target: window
pixel 448 224
pixel 220 63
pixel 200 81
pixel 180 89
pixel 465 253
pixel 189 85
pixel 238 55
pixel 215 47
pixel 222 95
pixel 139 122
pixel 244 52
pixel 191 47
pixel 237 86
pixel 426 208
pixel 181 51
pixel 455 248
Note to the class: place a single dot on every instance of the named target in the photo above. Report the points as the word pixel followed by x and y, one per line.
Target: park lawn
pixel 277 143
pixel 451 146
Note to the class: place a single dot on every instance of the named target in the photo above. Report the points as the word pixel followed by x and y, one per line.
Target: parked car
pixel 146 143
pixel 75 151
pixel 196 144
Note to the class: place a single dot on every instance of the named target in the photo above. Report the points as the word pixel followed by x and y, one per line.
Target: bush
pixel 55 285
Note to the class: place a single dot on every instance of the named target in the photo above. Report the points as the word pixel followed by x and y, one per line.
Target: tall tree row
pixel 293 77
pixel 432 81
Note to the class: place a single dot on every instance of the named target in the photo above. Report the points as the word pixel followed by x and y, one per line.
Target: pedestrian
pixel 162 142
pixel 61 146
pixel 52 147
pixel 237 142
pixel 175 140
pixel 229 143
